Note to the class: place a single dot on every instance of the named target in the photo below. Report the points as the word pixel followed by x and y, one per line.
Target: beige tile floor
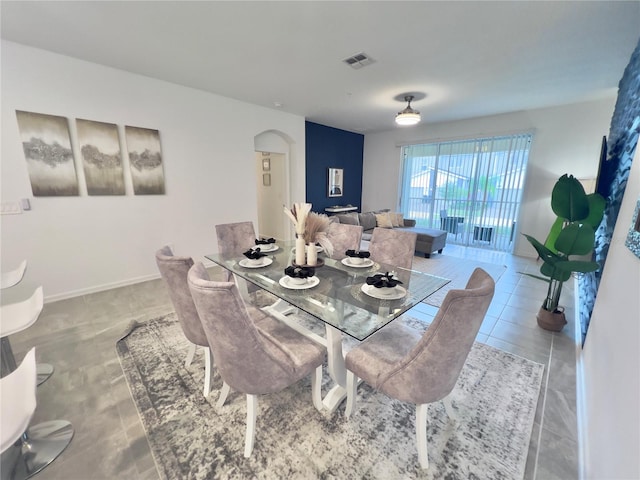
pixel 88 388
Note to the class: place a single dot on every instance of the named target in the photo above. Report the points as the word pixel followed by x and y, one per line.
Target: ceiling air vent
pixel 358 60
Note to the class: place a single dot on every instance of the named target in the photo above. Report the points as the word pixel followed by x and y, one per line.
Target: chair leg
pixel 421 434
pixel 316 390
pixel 208 370
pixel 352 391
pixel 190 354
pixel 224 392
pixel 446 401
pixel 252 410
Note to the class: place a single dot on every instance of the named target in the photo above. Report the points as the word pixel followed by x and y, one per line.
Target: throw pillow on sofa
pixel 399 219
pixel 348 218
pixel 383 220
pixel 367 221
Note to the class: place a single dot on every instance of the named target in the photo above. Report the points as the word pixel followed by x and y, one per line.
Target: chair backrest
pixel 18 400
pixel 174 270
pixel 248 361
pixel 395 247
pixel 344 237
pixel 9 279
pixel 430 370
pixel 21 315
pixel 233 237
pixel 449 224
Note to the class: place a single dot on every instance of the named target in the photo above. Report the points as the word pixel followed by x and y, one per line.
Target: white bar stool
pixel 27 450
pixel 14 318
pixel 13 277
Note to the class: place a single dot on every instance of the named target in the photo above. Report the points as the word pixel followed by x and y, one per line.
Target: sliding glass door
pixel 470 188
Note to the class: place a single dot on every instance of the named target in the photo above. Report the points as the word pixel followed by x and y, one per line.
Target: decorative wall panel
pixel 47 150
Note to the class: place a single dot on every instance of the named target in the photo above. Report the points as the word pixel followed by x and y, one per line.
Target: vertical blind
pixel 470 188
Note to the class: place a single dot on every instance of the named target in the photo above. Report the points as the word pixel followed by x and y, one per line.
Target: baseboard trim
pixel 107 286
pixel 99 288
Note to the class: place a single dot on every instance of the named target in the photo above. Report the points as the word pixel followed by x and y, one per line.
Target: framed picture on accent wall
pixel 335 185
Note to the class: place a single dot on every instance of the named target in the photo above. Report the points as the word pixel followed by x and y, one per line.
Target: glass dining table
pixel 337 295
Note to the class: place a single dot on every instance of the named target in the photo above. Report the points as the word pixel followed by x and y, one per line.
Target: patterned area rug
pixel 494 401
pixel 458 270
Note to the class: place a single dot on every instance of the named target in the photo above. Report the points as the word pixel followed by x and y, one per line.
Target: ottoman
pixel 429 240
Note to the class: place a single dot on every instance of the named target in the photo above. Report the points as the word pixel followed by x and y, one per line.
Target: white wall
pixel 87 243
pixel 567 139
pixel 611 357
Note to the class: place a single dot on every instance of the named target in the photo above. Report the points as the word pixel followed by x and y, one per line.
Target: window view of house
pixel 470 188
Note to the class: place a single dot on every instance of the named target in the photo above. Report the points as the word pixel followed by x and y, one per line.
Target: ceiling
pixel 469 59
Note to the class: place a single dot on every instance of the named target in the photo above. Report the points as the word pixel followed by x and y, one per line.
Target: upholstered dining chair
pixel 395 247
pixel 13 277
pixel 235 237
pixel 27 450
pixel 174 270
pixel 240 236
pixel 344 237
pixel 422 369
pixel 255 353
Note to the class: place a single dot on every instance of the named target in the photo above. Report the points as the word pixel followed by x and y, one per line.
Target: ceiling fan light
pixel 408 116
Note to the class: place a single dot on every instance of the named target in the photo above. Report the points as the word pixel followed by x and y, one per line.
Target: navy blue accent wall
pixel 614 173
pixel 328 147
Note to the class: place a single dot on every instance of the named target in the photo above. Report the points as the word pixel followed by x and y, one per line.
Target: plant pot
pixel 553 321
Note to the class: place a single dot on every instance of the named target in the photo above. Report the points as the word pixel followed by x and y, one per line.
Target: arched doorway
pixel 272 163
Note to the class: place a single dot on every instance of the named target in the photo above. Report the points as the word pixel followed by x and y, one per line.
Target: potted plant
pixel 573 233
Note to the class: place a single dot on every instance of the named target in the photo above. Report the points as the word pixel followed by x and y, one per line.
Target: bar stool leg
pixel 8 363
pixel 44 371
pixel 41 445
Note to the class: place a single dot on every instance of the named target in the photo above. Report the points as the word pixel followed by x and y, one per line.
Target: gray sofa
pixel 429 240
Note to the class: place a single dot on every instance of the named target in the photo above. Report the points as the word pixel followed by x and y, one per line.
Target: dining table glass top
pixel 338 294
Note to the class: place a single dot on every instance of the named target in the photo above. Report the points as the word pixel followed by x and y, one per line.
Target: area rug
pixel 458 270
pixel 494 403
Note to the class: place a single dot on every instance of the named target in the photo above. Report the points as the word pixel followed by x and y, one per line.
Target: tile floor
pixel 88 388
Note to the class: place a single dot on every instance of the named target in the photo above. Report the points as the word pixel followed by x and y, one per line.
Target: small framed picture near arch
pixel 335 185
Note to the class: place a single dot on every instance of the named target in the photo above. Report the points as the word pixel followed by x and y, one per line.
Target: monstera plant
pixel 572 234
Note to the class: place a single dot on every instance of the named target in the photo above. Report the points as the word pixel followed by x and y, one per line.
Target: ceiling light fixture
pixel 408 116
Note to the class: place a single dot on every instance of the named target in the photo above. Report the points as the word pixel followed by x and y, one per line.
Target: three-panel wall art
pixel 52 168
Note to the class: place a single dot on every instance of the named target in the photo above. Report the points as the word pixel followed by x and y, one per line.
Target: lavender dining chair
pixel 422 369
pixel 255 353
pixel 174 270
pixel 239 237
pixel 394 247
pixel 344 237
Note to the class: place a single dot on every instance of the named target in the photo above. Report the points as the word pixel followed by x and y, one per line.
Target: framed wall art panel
pixel 145 158
pixel 101 157
pixel 47 150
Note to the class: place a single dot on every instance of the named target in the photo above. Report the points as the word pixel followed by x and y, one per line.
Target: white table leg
pixel 337 369
pixel 335 357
